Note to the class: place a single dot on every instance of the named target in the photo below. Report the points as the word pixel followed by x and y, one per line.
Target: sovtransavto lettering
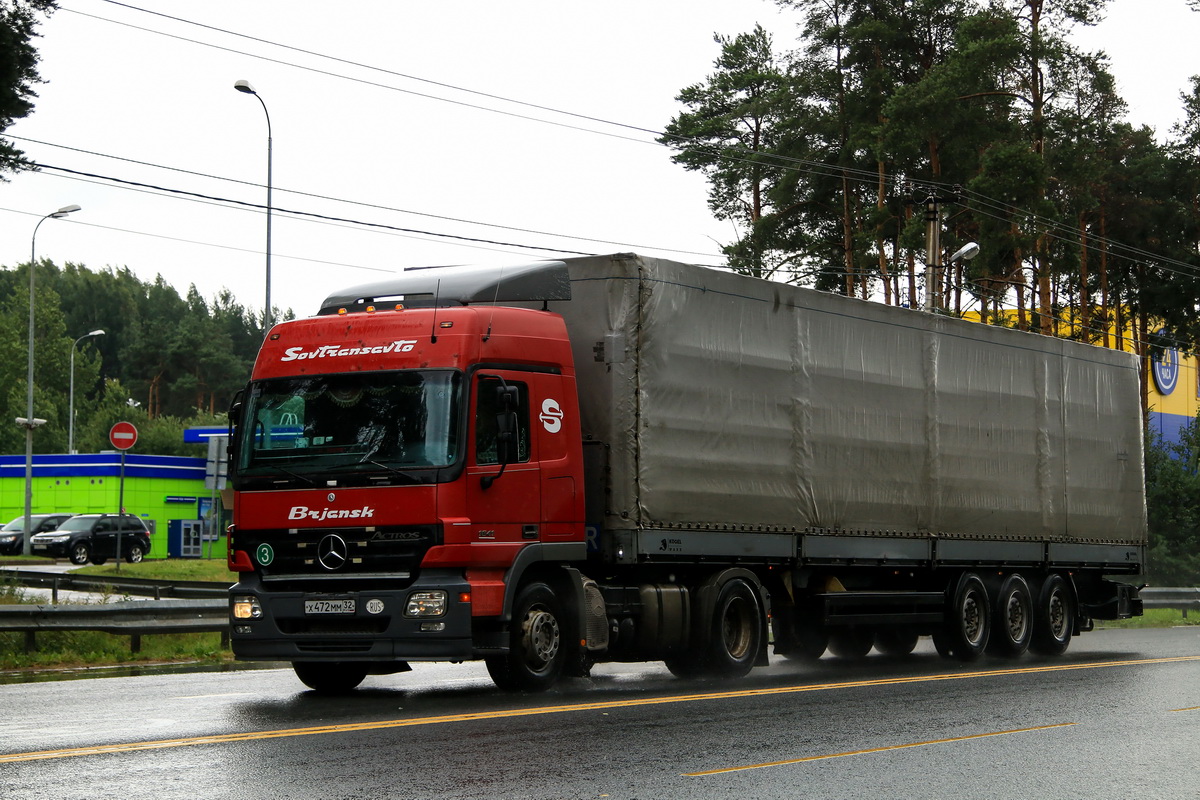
pixel 341 351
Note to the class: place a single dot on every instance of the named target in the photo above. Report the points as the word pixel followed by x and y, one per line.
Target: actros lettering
pixel 318 514
pixel 341 351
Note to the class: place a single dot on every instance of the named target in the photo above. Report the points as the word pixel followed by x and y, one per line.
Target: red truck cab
pixel 397 465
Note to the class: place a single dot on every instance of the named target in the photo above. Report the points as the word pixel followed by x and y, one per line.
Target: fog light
pixel 243 629
pixel 246 606
pixel 426 604
pixel 433 626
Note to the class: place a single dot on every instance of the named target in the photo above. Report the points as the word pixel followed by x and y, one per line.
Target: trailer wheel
pixel 896 641
pixel 536 653
pixel 330 677
pixel 1013 623
pixel 1053 617
pixel 968 621
pixel 736 634
pixel 852 643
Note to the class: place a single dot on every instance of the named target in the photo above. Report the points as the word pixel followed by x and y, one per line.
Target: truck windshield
pixel 360 422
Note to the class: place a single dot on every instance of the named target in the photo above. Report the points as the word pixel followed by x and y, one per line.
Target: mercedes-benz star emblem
pixel 333 552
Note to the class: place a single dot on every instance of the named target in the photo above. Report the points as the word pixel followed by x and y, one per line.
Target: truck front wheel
pixel 330 677
pixel 536 651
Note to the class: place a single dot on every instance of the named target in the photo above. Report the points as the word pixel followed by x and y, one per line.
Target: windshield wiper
pixel 298 476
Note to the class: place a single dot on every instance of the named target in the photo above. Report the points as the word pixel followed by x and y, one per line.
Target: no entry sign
pixel 123 435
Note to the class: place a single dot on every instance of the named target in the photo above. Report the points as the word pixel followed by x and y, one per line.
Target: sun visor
pixel 448 286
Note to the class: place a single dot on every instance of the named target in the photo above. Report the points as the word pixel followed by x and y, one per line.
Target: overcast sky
pixel 404 124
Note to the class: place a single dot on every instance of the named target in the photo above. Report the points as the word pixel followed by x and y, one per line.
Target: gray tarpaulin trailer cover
pixel 722 403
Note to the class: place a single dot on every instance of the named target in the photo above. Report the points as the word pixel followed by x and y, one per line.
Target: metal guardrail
pixel 134 618
pixel 115 584
pixel 1183 599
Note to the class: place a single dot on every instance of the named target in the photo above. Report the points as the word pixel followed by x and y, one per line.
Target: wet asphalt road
pixel 1117 717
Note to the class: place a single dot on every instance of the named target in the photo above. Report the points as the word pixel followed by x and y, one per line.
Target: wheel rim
pixel 1058 615
pixel 1017 617
pixel 79 554
pixel 541 638
pixel 736 628
pixel 972 619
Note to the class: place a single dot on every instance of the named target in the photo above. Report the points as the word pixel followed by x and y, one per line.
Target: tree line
pixel 826 156
pixel 163 362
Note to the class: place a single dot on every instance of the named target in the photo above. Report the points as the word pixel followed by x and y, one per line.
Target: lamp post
pixel 246 88
pixel 28 422
pixel 71 394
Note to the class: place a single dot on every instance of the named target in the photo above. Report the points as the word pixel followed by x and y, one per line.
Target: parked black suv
pixel 93 537
pixel 12 535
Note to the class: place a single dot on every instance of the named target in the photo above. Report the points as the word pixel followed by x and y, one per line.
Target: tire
pixel 851 643
pixel 99 560
pixel 135 554
pixel 536 649
pixel 1012 623
pixel 896 641
pixel 1053 617
pixel 330 677
pixel 735 636
pixel 965 633
pixel 809 642
pixel 79 553
pixel 686 666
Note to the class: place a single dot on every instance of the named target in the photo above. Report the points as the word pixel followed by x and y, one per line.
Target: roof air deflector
pixel 467 285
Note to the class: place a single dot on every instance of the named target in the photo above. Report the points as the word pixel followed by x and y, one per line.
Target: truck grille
pixel 317 556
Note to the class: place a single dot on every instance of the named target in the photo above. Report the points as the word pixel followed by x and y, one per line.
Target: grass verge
pixel 1153 618
pixel 73 649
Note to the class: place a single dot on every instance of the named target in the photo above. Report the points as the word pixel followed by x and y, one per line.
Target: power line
pixel 362 204
pixel 1055 229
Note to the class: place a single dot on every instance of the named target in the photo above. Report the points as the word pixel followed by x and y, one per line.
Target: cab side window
pixel 487 408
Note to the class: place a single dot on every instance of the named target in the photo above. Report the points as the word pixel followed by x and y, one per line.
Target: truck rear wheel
pixel 896 641
pixel 1013 624
pixel 809 642
pixel 330 677
pixel 1053 617
pixel 851 643
pixel 536 651
pixel 968 621
pixel 736 633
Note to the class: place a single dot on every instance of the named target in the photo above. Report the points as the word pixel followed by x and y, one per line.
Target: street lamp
pixel 71 394
pixel 246 88
pixel 28 421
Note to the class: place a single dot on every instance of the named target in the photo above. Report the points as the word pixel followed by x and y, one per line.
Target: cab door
pixel 503 480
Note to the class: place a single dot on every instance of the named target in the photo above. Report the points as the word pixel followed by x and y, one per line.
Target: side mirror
pixel 508 398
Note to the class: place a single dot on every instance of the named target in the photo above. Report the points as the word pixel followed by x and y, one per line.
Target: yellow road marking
pixel 1193 708
pixel 598 706
pixel 873 750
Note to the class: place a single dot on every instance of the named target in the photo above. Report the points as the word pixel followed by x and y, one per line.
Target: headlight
pixel 246 606
pixel 8 538
pixel 426 604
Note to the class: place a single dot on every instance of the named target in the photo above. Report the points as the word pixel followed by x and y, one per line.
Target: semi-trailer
pixel 621 458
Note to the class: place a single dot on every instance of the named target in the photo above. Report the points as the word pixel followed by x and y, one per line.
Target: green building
pixel 168 492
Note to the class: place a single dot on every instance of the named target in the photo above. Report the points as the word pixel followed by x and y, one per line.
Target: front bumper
pixel 376 631
pixel 55 549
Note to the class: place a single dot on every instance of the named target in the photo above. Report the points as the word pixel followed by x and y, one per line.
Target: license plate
pixel 328 606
